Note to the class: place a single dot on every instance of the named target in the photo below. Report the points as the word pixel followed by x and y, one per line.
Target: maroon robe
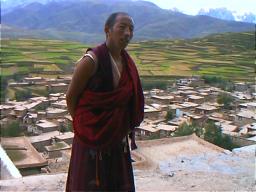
pixel 104 116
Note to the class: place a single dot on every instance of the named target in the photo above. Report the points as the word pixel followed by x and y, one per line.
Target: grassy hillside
pixel 39 57
pixel 229 55
pixel 83 20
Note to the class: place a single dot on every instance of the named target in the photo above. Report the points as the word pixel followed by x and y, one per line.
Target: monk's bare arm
pixel 85 68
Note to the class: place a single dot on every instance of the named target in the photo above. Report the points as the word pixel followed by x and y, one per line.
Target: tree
pixel 213 134
pixel 22 95
pixel 3 88
pixel 66 128
pixel 226 85
pixel 170 115
pixel 210 132
pixel 12 130
pixel 184 130
pixel 225 99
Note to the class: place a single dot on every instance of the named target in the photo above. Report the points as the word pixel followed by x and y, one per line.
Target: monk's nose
pixel 128 32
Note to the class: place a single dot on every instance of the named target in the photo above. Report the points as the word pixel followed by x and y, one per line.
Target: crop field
pixel 39 57
pixel 228 55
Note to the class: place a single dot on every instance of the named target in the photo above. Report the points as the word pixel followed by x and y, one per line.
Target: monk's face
pixel 122 31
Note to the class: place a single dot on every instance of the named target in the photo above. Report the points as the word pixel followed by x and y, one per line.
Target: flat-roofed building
pixel 164 99
pixel 36 102
pixel 241 86
pixel 204 90
pixel 198 119
pixel 242 96
pixel 20 111
pixel 195 99
pixel 64 79
pixel 151 112
pixel 246 116
pixel 53 99
pixel 55 150
pixel 166 130
pixel 175 109
pixel 67 137
pixel 47 126
pixel 5 110
pixel 205 109
pixel 252 129
pixel 179 121
pixel 30 118
pixel 42 140
pixel 53 113
pixel 183 82
pixel 226 127
pixel 249 106
pixel 34 79
pixel 56 94
pixel 188 92
pixel 155 91
pixel 177 98
pixel 159 106
pixel 62 104
pixel 188 105
pixel 248 129
pixel 22 153
pixel 147 130
pixel 58 87
pixel 41 115
pixel 18 84
pixel 185 88
pixel 253 138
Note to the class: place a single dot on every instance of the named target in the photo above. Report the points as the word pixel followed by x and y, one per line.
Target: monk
pixel 106 102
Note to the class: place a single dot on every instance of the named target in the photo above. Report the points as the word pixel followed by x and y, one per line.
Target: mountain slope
pixel 225 14
pixel 88 17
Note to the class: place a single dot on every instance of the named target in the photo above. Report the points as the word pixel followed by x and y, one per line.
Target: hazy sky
pixel 191 7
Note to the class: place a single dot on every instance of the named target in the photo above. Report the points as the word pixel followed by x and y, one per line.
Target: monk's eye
pixel 122 28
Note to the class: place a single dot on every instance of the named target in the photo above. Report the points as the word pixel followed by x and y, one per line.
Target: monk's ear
pixel 107 29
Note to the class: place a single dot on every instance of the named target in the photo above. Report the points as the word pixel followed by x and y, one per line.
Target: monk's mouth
pixel 125 40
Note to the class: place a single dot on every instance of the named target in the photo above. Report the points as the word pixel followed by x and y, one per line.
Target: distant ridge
pixel 225 14
pixel 83 20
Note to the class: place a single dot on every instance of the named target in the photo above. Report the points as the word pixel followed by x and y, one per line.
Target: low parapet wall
pixel 8 169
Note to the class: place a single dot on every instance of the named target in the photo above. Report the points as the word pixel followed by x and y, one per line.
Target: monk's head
pixel 119 29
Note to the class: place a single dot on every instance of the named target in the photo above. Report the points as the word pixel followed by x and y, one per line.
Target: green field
pixel 39 57
pixel 229 55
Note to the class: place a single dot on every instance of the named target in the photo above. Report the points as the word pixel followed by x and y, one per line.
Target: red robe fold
pixel 104 118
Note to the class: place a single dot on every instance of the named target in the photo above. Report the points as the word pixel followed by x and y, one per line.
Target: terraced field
pixel 229 55
pixel 35 57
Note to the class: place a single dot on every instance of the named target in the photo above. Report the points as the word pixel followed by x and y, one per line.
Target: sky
pixel 191 7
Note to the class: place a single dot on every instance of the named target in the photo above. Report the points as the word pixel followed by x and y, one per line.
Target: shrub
pixel 225 99
pixel 12 130
pixel 184 130
pixel 22 95
pixel 170 115
pixel 210 133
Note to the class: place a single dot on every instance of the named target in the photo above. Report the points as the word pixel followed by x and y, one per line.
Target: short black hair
pixel 112 18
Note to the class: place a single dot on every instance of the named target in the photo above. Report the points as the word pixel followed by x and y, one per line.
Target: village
pixel 46 141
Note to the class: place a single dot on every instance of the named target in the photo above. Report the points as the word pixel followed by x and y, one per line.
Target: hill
pixel 83 20
pixel 229 55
